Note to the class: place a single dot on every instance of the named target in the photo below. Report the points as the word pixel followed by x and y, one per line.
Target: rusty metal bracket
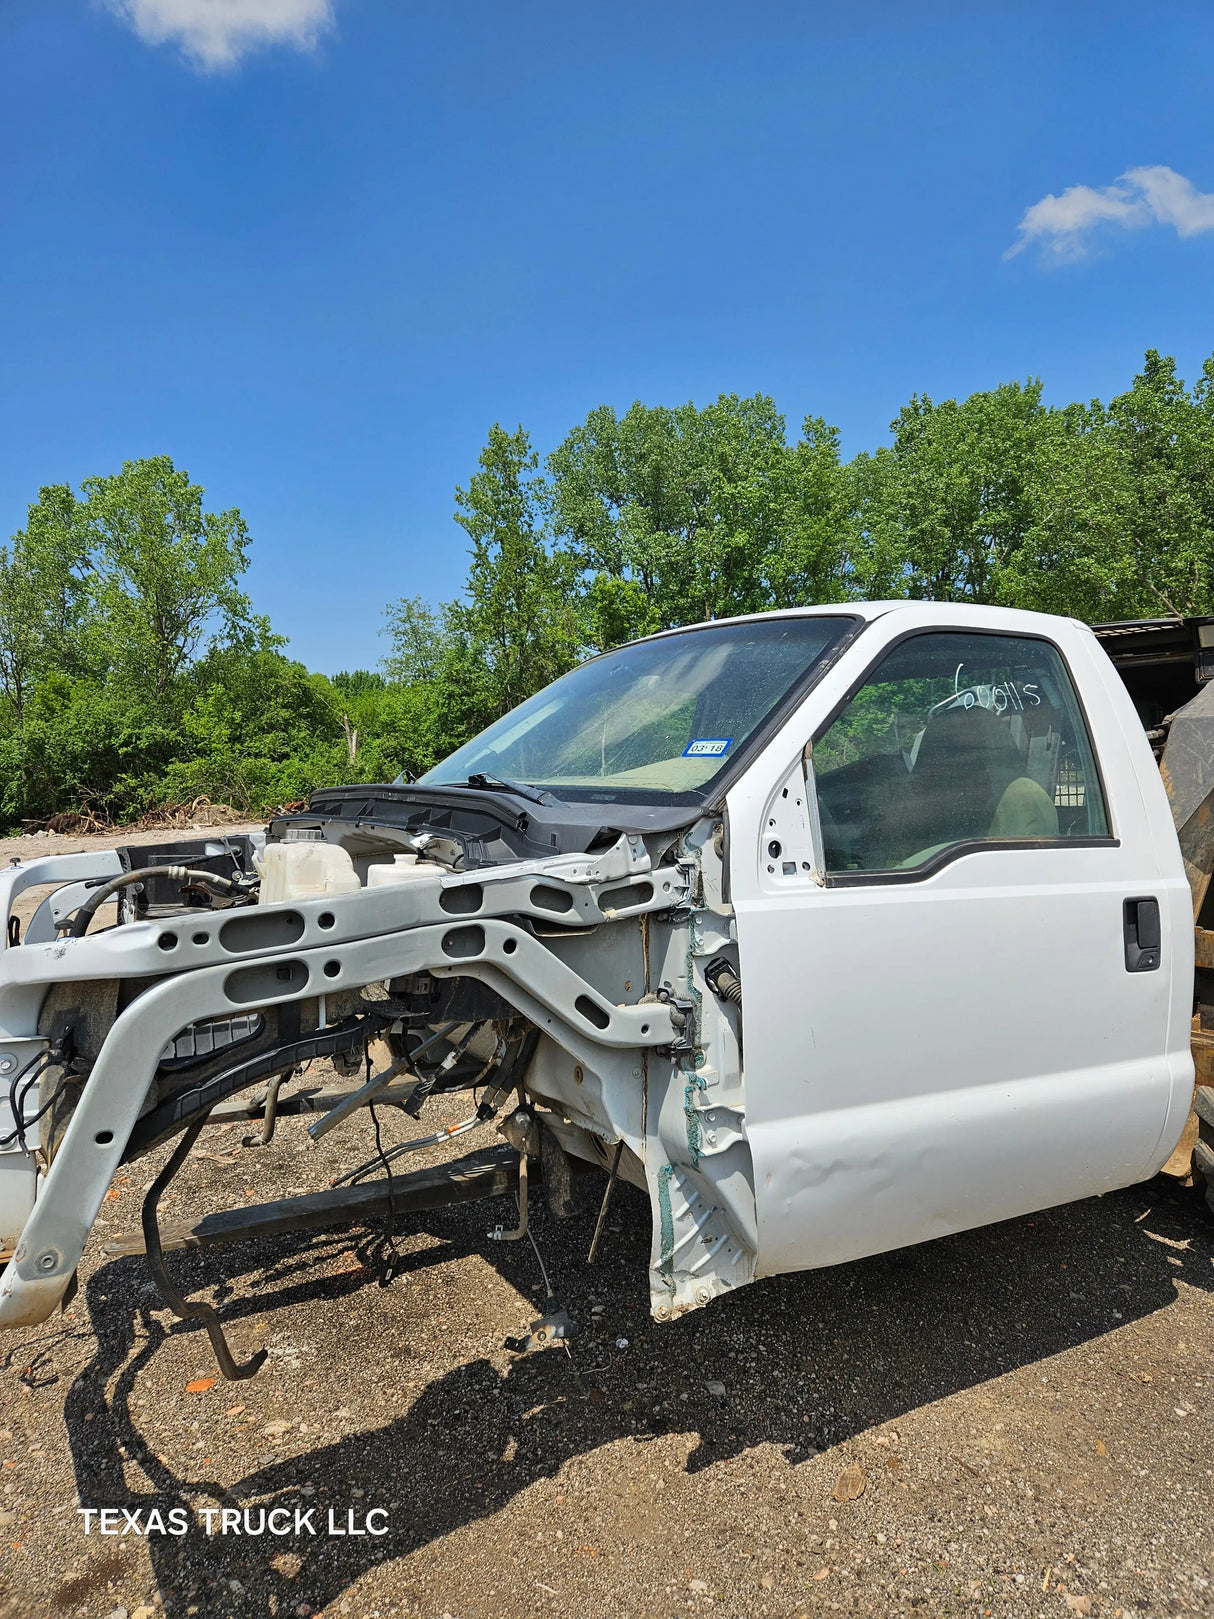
pixel 499 1232
pixel 550 1329
pixel 235 1371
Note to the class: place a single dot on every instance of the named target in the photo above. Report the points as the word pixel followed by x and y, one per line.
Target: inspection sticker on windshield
pixel 706 747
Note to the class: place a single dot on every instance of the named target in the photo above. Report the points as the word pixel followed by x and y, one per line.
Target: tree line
pixel 133 669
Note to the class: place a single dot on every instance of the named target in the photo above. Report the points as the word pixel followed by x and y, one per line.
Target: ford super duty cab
pixel 834 930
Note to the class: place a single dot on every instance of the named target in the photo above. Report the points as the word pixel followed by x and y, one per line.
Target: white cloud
pixel 217 33
pixel 1173 199
pixel 1152 194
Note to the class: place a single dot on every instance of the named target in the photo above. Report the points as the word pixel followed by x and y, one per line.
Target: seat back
pixel 965 763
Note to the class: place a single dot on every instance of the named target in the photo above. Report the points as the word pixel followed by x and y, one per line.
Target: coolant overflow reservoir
pixel 304 870
pixel 403 868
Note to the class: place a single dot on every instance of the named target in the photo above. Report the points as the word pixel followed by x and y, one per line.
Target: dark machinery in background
pixel 1168 668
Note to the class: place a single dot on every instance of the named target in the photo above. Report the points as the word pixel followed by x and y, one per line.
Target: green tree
pixel 165 572
pixel 1124 500
pixel 616 610
pixel 358 682
pixel 946 509
pixel 1165 440
pixel 421 638
pixel 706 510
pixel 406 731
pixel 83 747
pixel 260 730
pixel 815 556
pixel 517 626
pixel 44 598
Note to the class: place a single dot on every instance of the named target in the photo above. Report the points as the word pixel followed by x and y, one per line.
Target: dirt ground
pixel 1025 1410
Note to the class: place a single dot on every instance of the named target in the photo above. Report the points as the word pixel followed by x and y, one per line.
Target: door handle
pixel 1143 937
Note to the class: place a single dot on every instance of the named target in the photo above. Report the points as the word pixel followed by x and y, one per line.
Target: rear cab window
pixel 955 740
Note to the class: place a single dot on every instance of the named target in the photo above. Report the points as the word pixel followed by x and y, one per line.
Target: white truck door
pixel 965 992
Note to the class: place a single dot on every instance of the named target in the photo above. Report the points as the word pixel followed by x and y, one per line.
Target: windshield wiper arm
pixel 482 778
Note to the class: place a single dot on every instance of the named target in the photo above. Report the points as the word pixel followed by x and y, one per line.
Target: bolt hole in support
pixel 326 919
pixel 461 944
pixel 104 1137
pixel 332 969
pixel 235 1371
pixel 465 900
pixel 509 947
pixel 167 941
pixel 592 1012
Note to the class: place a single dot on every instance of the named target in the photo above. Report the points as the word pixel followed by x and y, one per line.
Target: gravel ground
pixel 1025 1411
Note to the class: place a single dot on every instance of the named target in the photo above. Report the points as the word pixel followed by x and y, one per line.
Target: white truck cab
pixel 834 930
pixel 952 1012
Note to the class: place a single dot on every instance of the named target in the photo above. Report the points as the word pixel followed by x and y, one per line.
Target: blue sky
pixel 315 272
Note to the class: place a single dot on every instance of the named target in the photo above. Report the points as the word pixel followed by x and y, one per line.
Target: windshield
pixel 654 722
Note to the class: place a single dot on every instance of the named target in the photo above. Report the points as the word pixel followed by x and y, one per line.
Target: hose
pixel 76 926
pixel 231 1368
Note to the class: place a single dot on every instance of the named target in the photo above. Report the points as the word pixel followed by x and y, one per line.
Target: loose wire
pixel 388 1243
pixel 17 1104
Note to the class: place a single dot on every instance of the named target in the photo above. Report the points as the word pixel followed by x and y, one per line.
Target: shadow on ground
pixel 808 1361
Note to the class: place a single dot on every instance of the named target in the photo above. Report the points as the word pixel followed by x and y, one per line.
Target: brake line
pixel 382 1160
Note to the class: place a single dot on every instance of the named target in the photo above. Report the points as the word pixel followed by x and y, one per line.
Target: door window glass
pixel 955 738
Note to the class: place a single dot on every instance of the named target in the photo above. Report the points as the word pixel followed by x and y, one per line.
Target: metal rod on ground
pixel 235 1371
pixel 271 1118
pixel 610 1187
pixel 499 1233
pixel 271 1112
pixel 356 1099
